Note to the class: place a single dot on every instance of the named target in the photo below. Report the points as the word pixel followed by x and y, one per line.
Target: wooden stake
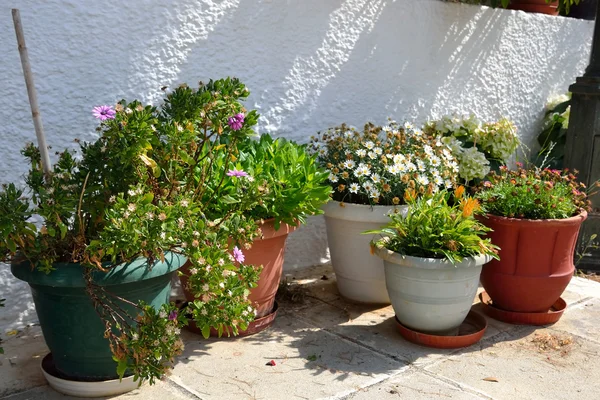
pixel 35 112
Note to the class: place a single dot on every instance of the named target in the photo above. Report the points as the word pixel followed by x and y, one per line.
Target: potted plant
pixel 535 215
pixel 290 186
pixel 114 223
pixel 433 258
pixel 477 146
pixel 369 172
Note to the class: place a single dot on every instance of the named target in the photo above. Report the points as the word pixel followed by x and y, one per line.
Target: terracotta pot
pixel 536 261
pixel 267 251
pixel 536 6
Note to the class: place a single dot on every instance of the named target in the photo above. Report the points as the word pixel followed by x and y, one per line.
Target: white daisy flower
pixel 349 164
pixel 437 180
pixel 361 153
pixel 428 150
pixel 408 126
pixel 448 183
pixel 369 145
pixel 354 188
pixel 435 161
pixel 372 155
pixel 333 178
pixel 421 166
pixel 374 194
pixel 368 186
pixel 375 178
pixel 422 180
pixel 393 169
pixel 378 151
pixel 398 158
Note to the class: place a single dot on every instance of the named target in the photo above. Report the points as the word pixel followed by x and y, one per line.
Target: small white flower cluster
pixel 380 163
pixel 475 143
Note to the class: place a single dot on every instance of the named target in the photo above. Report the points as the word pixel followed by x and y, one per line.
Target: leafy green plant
pixel 439 227
pixel 378 164
pixel 478 146
pixel 291 184
pixel 533 194
pixel 140 190
pixel 553 138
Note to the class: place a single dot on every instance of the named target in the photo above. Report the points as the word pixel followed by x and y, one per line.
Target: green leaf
pixel 121 367
pixel 206 331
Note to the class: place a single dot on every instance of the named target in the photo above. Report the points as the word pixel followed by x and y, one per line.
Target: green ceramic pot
pixel 72 329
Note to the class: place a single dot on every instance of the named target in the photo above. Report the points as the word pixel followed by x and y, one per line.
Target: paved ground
pixel 327 348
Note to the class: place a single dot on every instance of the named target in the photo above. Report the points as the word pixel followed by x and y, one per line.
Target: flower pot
pixel 359 274
pixel 536 6
pixel 431 295
pixel 536 261
pixel 268 251
pixel 72 329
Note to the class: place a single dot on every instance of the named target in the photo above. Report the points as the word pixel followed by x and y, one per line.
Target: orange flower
pixel 469 206
pixel 459 192
pixel 410 195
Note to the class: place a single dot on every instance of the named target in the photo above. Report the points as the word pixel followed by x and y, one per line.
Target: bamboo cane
pixel 35 112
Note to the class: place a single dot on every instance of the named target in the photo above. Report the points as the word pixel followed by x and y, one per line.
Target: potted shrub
pixel 114 223
pixel 477 146
pixel 369 172
pixel 290 186
pixel 433 258
pixel 535 215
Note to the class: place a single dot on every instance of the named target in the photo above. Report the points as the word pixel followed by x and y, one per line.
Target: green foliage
pixel 553 138
pixel 291 184
pixel 533 194
pixel 153 182
pixel 436 228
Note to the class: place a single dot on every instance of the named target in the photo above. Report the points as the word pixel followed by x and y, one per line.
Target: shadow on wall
pixel 314 65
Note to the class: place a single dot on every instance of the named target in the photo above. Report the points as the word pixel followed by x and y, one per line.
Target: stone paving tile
pixel 582 320
pixel 310 364
pixel 20 363
pixel 528 366
pixel 413 385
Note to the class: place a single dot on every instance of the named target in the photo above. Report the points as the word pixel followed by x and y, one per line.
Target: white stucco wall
pixel 310 64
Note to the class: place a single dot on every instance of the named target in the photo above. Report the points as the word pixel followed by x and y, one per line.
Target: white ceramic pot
pixel 431 295
pixel 359 274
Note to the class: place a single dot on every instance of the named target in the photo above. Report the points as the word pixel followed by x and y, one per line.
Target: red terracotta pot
pixel 536 6
pixel 268 251
pixel 536 261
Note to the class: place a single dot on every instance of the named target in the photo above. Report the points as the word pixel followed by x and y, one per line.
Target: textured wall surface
pixel 309 64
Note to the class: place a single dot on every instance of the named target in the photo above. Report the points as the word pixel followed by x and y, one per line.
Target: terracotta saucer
pixel 520 318
pixel 254 327
pixel 470 332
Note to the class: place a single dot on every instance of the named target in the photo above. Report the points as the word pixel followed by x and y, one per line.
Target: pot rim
pixel 429 263
pixel 268 229
pixel 361 212
pixel 576 219
pixel 71 274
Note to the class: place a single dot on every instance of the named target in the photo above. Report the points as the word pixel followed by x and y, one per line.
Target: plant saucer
pixel 254 327
pixel 523 318
pixel 78 388
pixel 469 332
